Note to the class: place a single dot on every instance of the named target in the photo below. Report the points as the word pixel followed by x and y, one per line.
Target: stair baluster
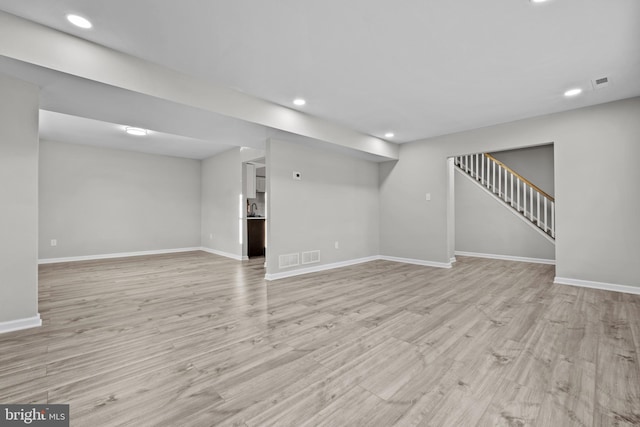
pixel 486 170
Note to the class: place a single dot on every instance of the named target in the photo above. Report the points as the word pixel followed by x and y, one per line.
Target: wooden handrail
pixel 520 176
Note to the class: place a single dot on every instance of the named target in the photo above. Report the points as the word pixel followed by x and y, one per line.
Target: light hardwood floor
pixel 194 339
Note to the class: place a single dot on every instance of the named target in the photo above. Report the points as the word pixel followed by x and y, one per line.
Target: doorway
pixel 254 218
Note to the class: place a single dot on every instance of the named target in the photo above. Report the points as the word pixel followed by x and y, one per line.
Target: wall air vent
pixel 310 257
pixel 600 82
pixel 288 260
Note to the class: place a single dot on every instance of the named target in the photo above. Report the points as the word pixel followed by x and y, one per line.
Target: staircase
pixel 514 190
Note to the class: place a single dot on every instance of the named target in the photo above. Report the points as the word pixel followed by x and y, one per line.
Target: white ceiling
pixel 55 127
pixel 418 68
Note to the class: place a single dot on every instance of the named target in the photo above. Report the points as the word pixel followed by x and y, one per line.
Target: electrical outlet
pixel 337 245
pixel 428 196
pixel 210 236
pixel 54 242
pixel 297 176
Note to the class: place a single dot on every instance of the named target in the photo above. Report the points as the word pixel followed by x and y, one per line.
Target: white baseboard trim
pixel 507 258
pixel 116 255
pixel 597 285
pixel 301 271
pixel 20 324
pixel 452 260
pixel 416 261
pixel 224 254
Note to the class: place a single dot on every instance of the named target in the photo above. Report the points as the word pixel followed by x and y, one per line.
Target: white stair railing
pixel 515 190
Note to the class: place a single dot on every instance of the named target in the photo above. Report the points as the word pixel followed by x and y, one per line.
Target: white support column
pixel 553 220
pixel 19 105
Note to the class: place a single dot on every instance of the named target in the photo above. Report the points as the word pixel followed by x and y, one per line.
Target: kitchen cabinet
pixel 251 181
pixel 255 237
pixel 261 184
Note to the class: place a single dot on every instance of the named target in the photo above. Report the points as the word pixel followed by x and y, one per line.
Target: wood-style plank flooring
pixel 194 339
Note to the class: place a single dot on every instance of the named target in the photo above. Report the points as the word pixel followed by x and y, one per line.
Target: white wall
pixel 336 200
pixel 221 200
pixel 410 226
pixel 96 201
pixel 484 225
pixel 19 201
pixel 596 186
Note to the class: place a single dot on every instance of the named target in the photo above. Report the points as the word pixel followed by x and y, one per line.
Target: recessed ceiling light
pixel 539 1
pixel 573 92
pixel 79 21
pixel 299 102
pixel 389 135
pixel 136 131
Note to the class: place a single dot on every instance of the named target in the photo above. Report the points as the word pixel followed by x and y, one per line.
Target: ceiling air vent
pixel 600 82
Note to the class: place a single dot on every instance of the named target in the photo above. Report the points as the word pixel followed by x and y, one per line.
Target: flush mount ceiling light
pixel 539 1
pixel 299 102
pixel 79 21
pixel 136 131
pixel 573 92
pixel 389 135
